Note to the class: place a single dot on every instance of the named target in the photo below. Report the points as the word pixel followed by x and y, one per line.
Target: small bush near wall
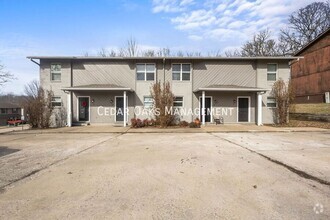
pixel 138 123
pixel 60 117
pixel 194 125
pixel 183 124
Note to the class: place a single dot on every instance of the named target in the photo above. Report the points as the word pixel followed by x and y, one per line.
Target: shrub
pixel 183 124
pixel 284 96
pixel 146 123
pixel 152 122
pixel 133 123
pixel 138 123
pixel 163 100
pixel 193 125
pixel 38 105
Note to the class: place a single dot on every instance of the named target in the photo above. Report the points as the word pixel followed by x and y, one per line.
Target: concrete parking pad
pixel 307 152
pixel 35 152
pixel 161 176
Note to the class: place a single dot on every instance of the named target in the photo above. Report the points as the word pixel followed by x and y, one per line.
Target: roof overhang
pixel 238 89
pixel 160 58
pixel 95 89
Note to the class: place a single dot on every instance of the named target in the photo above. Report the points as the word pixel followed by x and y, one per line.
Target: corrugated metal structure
pixel 311 74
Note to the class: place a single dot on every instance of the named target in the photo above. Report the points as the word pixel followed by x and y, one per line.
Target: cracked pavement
pixel 164 176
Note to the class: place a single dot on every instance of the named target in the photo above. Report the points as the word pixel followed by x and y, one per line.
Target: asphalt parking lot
pixel 165 176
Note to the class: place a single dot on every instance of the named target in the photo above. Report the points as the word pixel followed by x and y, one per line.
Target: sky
pixel 74 27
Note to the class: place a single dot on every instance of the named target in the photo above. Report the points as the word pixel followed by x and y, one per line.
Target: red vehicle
pixel 15 122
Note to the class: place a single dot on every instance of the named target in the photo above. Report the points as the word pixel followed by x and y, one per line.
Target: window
pixel 145 72
pixel 271 72
pixel 55 72
pixel 14 110
pixel 3 110
pixel 181 72
pixel 271 102
pixel 148 102
pixel 178 102
pixel 56 101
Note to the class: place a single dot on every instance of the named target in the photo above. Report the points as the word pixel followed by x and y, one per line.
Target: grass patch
pixel 298 123
pixel 321 108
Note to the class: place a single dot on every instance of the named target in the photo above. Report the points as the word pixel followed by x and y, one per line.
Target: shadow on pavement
pixel 5 151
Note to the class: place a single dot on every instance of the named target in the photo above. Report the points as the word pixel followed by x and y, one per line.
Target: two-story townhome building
pixel 113 90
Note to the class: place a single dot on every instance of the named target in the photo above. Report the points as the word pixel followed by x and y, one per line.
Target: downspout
pixel 35 62
pixel 164 60
pixel 70 96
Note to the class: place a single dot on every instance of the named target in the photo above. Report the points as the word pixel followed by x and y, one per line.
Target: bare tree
pixel 180 54
pixel 103 52
pixel 163 100
pixel 260 45
pixel 112 53
pixel 5 76
pixel 163 52
pixel 233 53
pixel 216 53
pixel 148 53
pixel 304 26
pixel 284 96
pixel 132 47
pixel 38 105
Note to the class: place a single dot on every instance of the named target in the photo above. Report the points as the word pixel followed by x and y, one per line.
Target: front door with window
pixel 243 109
pixel 207 109
pixel 83 107
pixel 119 109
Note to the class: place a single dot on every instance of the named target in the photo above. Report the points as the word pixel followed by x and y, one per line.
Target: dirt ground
pixel 165 176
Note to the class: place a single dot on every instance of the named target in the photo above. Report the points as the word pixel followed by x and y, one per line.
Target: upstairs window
pixel 3 110
pixel 55 72
pixel 178 102
pixel 271 72
pixel 271 102
pixel 56 101
pixel 145 72
pixel 148 102
pixel 181 72
pixel 14 110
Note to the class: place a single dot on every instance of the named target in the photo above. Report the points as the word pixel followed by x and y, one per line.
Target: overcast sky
pixel 69 27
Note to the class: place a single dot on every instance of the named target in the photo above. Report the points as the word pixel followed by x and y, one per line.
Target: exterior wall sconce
pixel 92 100
pixel 111 101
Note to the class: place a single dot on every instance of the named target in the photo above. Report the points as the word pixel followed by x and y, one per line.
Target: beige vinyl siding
pixel 240 73
pixel 104 72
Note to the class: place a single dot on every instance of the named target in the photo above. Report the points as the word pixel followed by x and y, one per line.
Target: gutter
pixel 34 61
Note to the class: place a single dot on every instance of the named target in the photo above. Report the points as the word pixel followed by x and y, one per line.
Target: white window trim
pixel 144 101
pixel 179 102
pixel 145 72
pixel 57 102
pixel 181 72
pixel 58 72
pixel 267 102
pixel 237 109
pixel 89 108
pixel 276 72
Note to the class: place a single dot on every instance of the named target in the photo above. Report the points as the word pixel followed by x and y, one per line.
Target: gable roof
pixel 312 42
